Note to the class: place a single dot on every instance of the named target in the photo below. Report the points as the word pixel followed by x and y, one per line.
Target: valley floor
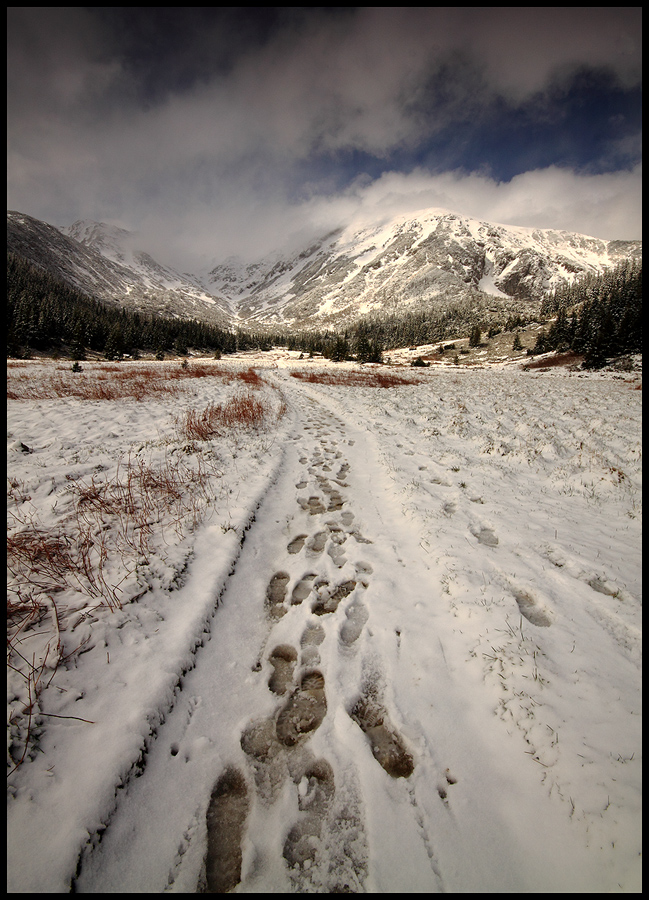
pixel 399 650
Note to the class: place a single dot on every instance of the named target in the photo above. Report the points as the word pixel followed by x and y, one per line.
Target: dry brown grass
pixel 251 377
pixel 112 520
pixel 241 412
pixel 37 674
pixel 356 378
pixel 551 362
pixel 116 381
pixel 116 524
pixel 37 561
pixel 107 537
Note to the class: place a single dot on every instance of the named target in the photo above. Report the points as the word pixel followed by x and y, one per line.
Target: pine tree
pixel 78 346
pixel 340 349
pixel 475 336
pixel 363 348
pixel 114 348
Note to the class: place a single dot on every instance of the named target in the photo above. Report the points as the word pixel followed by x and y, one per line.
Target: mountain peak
pixel 111 241
pixel 103 261
pixel 427 260
pixel 424 259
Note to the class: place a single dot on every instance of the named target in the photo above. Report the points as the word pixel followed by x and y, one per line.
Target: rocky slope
pixel 98 260
pixel 432 259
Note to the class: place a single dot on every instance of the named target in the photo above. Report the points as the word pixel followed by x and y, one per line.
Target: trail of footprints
pixel 276 748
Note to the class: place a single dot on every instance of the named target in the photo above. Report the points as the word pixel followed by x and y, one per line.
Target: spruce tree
pixel 114 348
pixel 78 346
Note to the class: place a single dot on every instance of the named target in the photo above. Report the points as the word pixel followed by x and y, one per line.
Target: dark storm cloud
pixel 225 129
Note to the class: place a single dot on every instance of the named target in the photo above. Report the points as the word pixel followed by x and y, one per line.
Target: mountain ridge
pixel 416 259
pixel 423 260
pixel 135 282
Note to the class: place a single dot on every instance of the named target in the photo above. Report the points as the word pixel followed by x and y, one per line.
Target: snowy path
pixel 323 742
pixel 402 652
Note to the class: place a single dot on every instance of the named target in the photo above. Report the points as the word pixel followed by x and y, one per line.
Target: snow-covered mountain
pixel 103 261
pixel 432 259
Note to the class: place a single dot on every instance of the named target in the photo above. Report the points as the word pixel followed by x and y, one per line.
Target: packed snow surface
pixel 394 646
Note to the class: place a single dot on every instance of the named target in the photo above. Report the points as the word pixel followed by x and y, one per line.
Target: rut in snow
pixel 324 848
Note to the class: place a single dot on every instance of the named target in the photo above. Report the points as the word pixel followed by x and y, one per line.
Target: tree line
pixel 45 314
pixel 366 340
pixel 599 317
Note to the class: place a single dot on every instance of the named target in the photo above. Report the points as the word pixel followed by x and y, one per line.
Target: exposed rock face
pixel 97 260
pixel 432 258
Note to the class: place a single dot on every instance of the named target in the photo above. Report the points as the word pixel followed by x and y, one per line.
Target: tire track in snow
pixel 325 848
pixel 285 795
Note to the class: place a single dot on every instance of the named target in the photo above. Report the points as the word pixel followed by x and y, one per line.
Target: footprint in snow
pixel 312 637
pixel 302 589
pixel 326 848
pixel 314 505
pixel 357 615
pixel 317 543
pixel 267 757
pixel 304 711
pixel 316 790
pixel 297 543
pixel 388 747
pixel 283 660
pixel 530 608
pixel 485 534
pixel 329 601
pixel 603 586
pixel 275 594
pixel 336 501
pixel 442 786
pixel 226 819
pixel 335 550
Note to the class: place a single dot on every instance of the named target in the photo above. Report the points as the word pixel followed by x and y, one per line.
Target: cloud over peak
pixel 224 126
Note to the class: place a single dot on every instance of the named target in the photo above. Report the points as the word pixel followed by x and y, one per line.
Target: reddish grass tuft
pixel 251 377
pixel 41 559
pixel 551 362
pixel 242 411
pixel 356 378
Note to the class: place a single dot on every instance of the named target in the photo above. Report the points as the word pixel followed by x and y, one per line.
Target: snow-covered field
pixel 363 638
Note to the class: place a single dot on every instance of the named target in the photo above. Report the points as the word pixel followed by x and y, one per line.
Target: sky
pixel 242 130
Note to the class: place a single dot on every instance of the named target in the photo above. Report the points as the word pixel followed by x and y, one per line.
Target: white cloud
pixel 606 206
pixel 212 169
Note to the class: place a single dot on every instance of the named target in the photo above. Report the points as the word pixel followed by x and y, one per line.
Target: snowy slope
pixel 401 653
pixel 120 246
pixel 433 257
pixel 102 261
pixel 430 260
